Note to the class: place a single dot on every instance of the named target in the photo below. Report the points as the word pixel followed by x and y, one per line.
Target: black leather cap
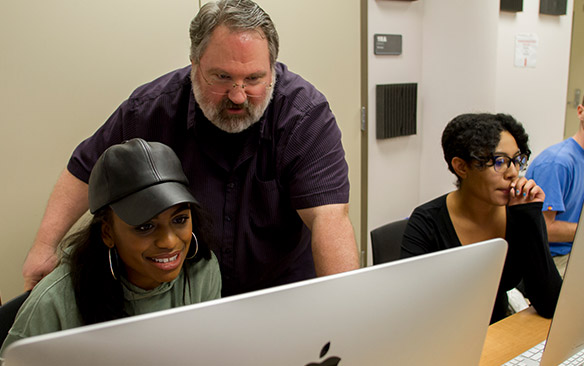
pixel 139 180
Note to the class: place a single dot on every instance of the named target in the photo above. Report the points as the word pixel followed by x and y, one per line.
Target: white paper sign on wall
pixel 526 45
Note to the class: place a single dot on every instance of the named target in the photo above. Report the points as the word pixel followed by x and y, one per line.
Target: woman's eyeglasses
pixel 502 162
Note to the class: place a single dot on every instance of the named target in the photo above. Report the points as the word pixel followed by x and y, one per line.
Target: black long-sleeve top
pixel 430 229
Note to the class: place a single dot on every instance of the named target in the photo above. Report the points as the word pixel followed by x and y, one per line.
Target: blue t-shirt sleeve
pixel 549 177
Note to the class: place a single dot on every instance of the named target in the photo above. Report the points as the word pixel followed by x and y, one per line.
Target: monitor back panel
pixel 432 309
pixel 566 335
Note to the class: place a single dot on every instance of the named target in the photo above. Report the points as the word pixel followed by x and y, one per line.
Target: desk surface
pixel 512 336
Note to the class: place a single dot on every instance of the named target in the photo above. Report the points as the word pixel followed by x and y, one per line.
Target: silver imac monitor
pixel 428 310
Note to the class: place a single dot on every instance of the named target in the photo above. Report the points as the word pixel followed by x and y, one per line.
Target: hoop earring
pixel 111 263
pixel 196 247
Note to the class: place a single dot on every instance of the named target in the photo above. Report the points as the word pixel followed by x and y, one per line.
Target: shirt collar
pixel 133 292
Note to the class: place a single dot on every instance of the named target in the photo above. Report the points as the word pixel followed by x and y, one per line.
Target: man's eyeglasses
pixel 502 162
pixel 222 84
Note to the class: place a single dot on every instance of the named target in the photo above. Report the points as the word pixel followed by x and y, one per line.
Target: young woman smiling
pixel 144 250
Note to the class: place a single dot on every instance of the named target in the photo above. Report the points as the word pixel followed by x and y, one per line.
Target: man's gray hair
pixel 237 15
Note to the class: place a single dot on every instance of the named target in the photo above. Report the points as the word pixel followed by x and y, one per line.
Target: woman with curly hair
pixel 486 152
pixel 144 250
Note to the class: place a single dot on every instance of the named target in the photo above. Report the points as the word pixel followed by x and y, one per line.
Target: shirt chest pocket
pixel 267 208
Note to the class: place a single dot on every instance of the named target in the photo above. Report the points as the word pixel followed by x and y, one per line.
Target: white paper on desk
pixel 526 45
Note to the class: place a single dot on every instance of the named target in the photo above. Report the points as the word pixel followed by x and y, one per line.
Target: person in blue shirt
pixel 559 171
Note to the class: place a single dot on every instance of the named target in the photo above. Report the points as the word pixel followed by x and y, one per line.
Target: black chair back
pixel 8 314
pixel 386 241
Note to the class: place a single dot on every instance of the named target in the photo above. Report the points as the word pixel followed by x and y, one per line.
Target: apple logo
pixel 331 361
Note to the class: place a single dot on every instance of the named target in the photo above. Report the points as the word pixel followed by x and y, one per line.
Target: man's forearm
pixel 335 253
pixel 66 205
pixel 334 248
pixel 561 231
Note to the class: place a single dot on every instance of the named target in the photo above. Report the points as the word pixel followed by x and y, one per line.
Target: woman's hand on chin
pixel 525 191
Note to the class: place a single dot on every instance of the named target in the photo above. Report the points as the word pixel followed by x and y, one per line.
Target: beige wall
pixel 66 65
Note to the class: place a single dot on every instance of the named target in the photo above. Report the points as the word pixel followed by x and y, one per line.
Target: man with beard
pixel 260 147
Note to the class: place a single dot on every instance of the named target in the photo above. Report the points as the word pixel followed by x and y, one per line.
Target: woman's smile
pixel 167 262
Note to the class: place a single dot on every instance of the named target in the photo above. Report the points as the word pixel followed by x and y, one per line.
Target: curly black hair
pixel 474 137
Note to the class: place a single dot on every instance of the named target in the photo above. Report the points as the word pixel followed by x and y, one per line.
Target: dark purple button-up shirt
pixel 251 182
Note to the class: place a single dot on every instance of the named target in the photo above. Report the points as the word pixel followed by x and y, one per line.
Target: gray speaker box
pixel 511 5
pixel 553 7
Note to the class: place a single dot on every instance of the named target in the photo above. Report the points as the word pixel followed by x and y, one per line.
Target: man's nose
pixel 237 94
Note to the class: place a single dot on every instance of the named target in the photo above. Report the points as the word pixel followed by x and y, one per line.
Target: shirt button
pixel 230 185
pixel 228 218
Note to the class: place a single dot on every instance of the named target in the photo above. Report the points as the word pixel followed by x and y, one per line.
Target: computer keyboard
pixel 532 356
